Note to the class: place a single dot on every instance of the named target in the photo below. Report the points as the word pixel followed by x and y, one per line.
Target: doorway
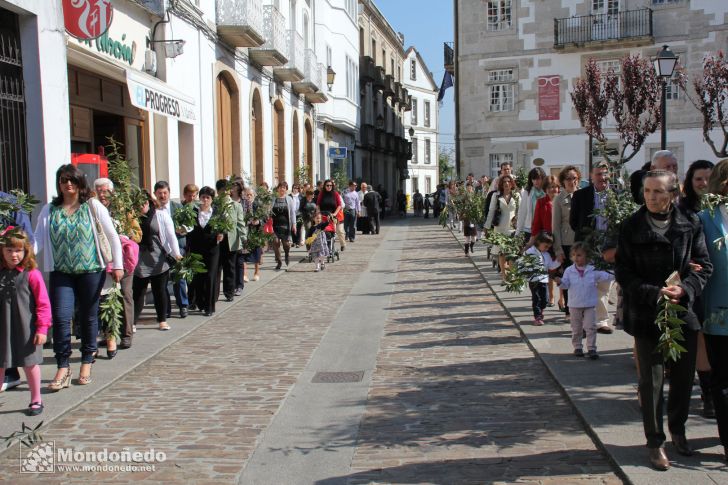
pixel 279 143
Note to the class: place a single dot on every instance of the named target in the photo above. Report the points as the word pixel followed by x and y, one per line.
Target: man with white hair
pixel 664 160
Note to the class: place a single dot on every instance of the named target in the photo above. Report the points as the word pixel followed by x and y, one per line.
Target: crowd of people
pixel 671 249
pixel 56 274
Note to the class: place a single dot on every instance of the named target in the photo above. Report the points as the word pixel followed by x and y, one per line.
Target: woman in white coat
pixel 502 210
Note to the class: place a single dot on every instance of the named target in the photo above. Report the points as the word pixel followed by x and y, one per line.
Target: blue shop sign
pixel 338 152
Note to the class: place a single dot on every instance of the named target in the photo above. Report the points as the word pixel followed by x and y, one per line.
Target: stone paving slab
pixel 205 400
pixel 604 393
pixel 457 395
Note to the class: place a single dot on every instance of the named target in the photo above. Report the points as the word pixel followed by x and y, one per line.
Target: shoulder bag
pixel 103 241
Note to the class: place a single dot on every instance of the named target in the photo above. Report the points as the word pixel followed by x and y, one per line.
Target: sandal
pixel 35 408
pixel 164 326
pixel 58 384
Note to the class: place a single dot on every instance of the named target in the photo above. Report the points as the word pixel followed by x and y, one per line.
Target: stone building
pixel 382 150
pixel 421 123
pixel 516 62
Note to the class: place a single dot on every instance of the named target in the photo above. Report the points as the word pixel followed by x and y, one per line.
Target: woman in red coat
pixel 542 218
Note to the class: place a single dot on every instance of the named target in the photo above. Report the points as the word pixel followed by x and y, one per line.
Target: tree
pixel 444 166
pixel 632 98
pixel 711 88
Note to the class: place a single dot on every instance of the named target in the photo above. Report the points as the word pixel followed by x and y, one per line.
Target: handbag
pixel 268 227
pixel 340 216
pixel 103 241
pixel 496 214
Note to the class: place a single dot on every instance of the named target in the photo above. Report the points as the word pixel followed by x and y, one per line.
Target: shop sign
pixel 118 49
pixel 337 152
pixel 549 103
pixel 87 19
pixel 152 95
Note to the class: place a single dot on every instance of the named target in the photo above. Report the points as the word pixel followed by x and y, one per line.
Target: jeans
pixel 159 291
pixel 538 298
pixel 717 347
pixel 652 378
pixel 350 224
pixel 65 290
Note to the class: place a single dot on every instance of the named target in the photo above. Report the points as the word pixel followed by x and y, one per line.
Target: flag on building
pixel 446 83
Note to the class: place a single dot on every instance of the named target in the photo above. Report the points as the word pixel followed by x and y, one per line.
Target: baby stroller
pixel 330 233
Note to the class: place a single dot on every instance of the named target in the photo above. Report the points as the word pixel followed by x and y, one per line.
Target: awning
pixel 151 94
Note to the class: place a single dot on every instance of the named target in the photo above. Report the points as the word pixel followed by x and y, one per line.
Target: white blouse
pixel 204 217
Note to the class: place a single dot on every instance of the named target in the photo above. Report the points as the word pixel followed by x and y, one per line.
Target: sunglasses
pixel 328 185
pixel 64 179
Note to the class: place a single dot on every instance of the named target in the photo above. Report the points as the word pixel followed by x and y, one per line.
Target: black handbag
pixel 497 213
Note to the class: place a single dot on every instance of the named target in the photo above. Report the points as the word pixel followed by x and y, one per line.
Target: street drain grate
pixel 337 377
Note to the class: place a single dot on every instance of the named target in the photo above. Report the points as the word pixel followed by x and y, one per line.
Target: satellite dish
pixel 538 161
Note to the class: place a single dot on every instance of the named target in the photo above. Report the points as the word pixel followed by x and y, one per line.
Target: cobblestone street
pixel 456 395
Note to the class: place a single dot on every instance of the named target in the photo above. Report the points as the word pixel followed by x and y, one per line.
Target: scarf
pixel 146 224
pixel 535 195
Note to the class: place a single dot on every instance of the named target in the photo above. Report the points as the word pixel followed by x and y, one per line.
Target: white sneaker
pixel 318 268
pixel 133 329
pixel 9 384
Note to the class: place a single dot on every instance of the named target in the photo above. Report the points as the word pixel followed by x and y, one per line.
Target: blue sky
pixel 426 24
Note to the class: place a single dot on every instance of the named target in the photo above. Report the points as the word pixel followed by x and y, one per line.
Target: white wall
pixel 46 95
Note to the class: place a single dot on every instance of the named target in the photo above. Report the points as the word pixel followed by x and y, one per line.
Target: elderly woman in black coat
pixel 656 241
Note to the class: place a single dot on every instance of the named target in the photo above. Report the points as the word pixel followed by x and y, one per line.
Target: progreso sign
pixel 146 95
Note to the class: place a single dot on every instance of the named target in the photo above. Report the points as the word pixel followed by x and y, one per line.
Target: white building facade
pixel 195 90
pixel 517 62
pixel 337 45
pixel 421 123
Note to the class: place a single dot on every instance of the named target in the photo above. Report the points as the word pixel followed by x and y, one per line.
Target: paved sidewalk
pixel 457 396
pixel 604 393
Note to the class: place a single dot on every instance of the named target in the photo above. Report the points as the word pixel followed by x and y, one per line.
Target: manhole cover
pixel 337 377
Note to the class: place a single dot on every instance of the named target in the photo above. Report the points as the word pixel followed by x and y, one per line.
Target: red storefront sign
pixel 548 98
pixel 87 19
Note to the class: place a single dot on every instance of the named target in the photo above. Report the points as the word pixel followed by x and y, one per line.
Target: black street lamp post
pixel 664 63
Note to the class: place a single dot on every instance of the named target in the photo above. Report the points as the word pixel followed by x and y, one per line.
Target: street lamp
pixel 330 76
pixel 411 132
pixel 664 63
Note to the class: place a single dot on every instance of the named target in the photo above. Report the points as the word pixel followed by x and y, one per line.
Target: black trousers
pixel 652 372
pixel 539 294
pixel 717 346
pixel 374 222
pixel 159 291
pixel 203 284
pixel 226 269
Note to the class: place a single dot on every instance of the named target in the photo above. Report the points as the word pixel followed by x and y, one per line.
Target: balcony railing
pixel 449 56
pixel 292 70
pixel 273 51
pixel 620 26
pixel 311 75
pixel 388 85
pixel 240 22
pixel 378 81
pixel 366 69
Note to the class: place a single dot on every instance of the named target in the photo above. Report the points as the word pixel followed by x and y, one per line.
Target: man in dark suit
pixel 373 203
pixel 583 221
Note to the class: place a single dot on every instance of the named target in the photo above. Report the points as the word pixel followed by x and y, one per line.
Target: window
pixel 415 184
pixel 351 78
pixel 427 113
pixel 609 7
pixel 384 60
pixel 672 88
pixel 428 185
pixel 495 162
pixel 399 73
pixel 665 2
pixel 414 150
pixel 351 8
pixel 328 56
pixel 374 50
pixel 499 15
pixel 413 69
pixel 413 113
pixel 613 64
pixel 391 66
pixel 427 151
pixel 502 89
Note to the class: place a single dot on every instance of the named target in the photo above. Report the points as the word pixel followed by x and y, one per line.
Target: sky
pixel 426 24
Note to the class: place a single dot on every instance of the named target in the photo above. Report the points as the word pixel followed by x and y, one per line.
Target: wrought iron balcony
pixel 449 56
pixel 273 51
pixel 311 75
pixel 631 26
pixel 378 81
pixel 240 22
pixel 398 92
pixel 292 70
pixel 366 69
pixel 317 96
pixel 388 85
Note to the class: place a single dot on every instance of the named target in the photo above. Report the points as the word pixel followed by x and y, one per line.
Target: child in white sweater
pixel 581 280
